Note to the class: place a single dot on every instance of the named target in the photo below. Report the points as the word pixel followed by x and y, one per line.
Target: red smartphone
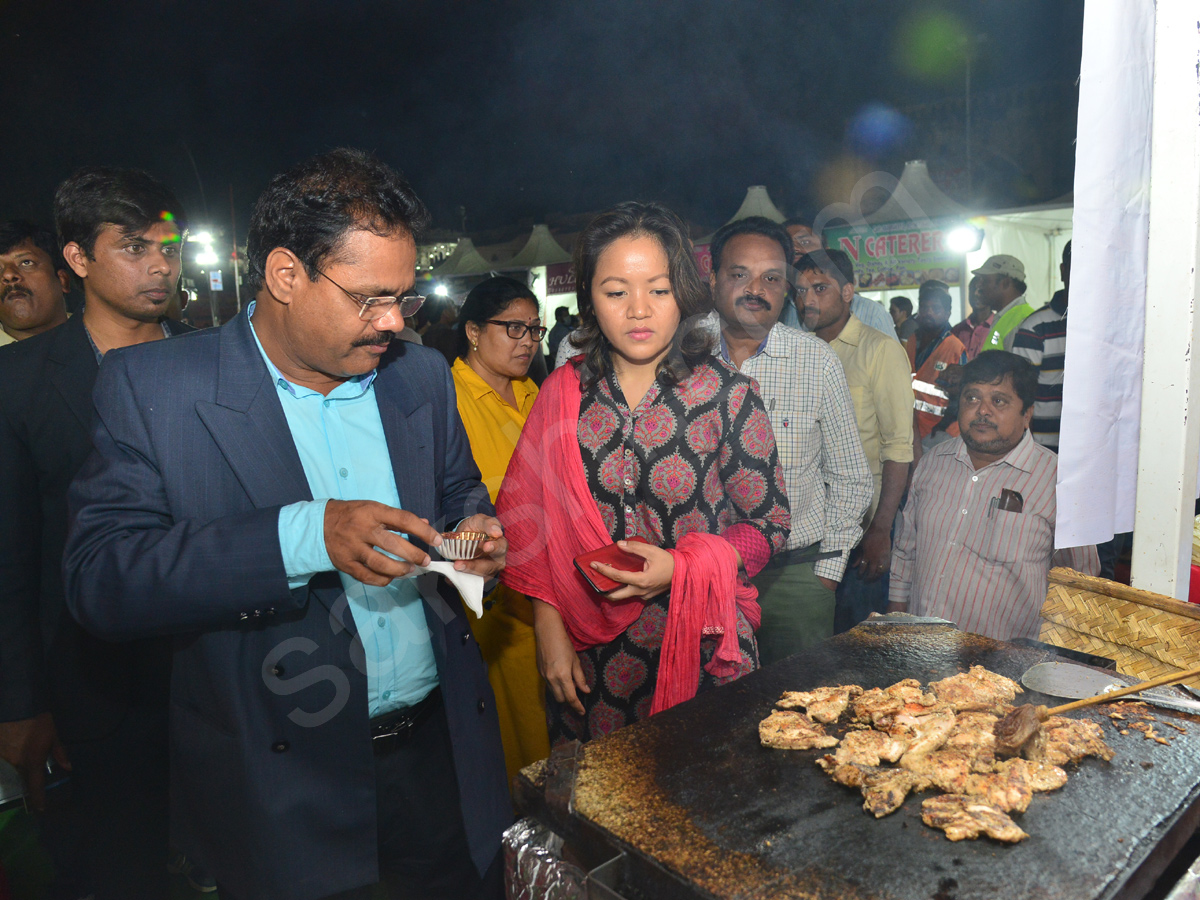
pixel 614 556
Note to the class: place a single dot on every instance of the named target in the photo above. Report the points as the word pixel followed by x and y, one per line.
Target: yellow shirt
pixel 6 338
pixel 505 632
pixel 493 426
pixel 880 382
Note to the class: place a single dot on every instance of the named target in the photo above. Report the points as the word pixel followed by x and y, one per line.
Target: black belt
pixel 390 730
pixel 811 553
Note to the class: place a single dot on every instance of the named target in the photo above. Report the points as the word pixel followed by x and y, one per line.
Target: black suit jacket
pixel 47 662
pixel 175 531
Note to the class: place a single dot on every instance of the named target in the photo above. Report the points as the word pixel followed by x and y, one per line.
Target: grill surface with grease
pixel 694 798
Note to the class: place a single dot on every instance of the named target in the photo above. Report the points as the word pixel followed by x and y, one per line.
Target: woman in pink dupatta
pixel 645 434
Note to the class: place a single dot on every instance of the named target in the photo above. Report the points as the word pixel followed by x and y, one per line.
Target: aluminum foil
pixel 534 868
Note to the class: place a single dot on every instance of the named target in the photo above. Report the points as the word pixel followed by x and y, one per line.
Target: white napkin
pixel 468 584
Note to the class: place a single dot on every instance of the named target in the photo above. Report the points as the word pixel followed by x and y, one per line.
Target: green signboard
pixel 897 255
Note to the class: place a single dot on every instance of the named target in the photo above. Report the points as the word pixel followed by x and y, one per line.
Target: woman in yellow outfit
pixel 498 332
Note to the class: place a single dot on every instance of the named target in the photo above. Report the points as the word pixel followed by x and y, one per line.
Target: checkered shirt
pixel 825 471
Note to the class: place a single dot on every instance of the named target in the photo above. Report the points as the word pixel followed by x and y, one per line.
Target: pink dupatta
pixel 550 517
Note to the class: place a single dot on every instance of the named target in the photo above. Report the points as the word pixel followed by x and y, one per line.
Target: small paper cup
pixel 461 544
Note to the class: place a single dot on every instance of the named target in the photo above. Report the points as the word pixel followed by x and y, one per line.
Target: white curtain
pixel 1098 449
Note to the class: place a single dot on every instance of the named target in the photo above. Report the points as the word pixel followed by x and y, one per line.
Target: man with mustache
pixel 804 389
pixel 880 380
pixel 332 725
pixel 976 538
pixel 97 706
pixel 33 280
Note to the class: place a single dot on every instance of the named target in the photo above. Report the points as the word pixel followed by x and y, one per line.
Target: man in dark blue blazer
pixel 260 493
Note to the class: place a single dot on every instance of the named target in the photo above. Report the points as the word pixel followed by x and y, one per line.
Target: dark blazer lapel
pixel 408 427
pixel 248 424
pixel 73 369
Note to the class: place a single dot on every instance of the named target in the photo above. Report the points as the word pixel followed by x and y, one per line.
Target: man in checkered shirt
pixel 804 388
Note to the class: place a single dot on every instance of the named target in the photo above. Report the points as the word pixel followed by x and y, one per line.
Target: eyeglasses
pixel 517 330
pixel 371 309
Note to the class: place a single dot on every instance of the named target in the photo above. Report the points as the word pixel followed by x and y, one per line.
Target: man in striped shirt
pixel 1042 339
pixel 976 538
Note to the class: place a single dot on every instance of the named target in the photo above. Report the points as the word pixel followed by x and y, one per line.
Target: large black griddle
pixel 703 810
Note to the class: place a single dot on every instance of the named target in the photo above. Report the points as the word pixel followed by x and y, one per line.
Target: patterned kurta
pixel 698 456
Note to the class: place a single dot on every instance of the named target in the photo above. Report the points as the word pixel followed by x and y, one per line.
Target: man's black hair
pixel 562 314
pixel 18 231
pixel 834 263
pixel 1066 257
pixel 96 196
pixel 311 208
pixel 799 220
pixel 930 285
pixel 934 292
pixel 902 303
pixel 991 366
pixel 759 225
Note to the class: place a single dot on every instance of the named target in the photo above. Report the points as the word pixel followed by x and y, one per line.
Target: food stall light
pixel 441 291
pixel 207 257
pixel 201 237
pixel 965 239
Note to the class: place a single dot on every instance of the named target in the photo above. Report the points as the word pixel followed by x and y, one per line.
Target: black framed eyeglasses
pixel 517 330
pixel 371 309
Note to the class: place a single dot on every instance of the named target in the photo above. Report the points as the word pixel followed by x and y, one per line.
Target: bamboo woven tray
pixel 1146 633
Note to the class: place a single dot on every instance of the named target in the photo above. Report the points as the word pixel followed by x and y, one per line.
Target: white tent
pixel 540 250
pixel 465 260
pixel 1036 235
pixel 1130 431
pixel 757 203
pixel 916 197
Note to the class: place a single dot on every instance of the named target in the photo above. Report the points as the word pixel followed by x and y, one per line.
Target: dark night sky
pixel 511 109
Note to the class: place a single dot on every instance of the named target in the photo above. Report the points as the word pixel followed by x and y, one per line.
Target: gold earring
pixel 474 346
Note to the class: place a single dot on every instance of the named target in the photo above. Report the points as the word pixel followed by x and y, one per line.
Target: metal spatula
pixel 1075 682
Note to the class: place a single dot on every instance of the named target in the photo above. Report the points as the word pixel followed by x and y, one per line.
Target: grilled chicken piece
pixel 948 770
pixel 883 789
pixel 823 704
pixel 962 817
pixel 1061 740
pixel 1007 791
pixel 911 691
pixel 789 730
pixel 972 735
pixel 869 747
pixel 1039 774
pixel 878 705
pixel 925 733
pixel 977 689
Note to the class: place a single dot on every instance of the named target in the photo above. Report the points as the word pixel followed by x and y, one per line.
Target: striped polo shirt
pixel 959 556
pixel 1042 339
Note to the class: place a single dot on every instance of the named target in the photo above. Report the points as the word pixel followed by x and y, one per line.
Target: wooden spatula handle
pixel 1132 689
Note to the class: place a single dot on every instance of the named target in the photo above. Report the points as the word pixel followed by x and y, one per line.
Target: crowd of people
pixel 216 602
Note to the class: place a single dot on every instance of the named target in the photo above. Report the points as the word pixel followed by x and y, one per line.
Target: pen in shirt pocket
pixel 992 504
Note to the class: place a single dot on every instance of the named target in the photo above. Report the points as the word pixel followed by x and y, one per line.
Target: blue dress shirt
pixel 344 453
